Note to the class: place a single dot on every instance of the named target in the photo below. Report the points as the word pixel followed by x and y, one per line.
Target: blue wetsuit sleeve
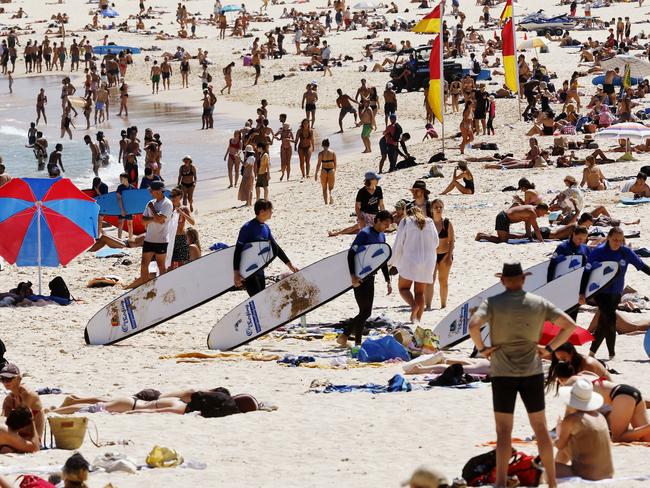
pixel 635 260
pixel 351 261
pixel 239 247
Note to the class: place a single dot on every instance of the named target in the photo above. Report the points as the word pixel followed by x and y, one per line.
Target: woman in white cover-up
pixel 414 256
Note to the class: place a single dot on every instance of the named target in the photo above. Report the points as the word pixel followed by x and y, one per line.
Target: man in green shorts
pixel 365 119
pixel 155 77
pixel 516 319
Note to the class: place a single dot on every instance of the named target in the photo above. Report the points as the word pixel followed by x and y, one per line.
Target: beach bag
pixel 68 432
pixel 163 457
pixel 589 128
pixel 31 481
pixel 522 465
pixel 58 288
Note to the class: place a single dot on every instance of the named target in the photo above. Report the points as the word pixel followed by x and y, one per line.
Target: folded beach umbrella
pixel 579 337
pixel 533 43
pixel 366 5
pixel 45 222
pixel 230 8
pixel 639 68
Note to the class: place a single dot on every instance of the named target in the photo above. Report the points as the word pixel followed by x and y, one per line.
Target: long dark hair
pixel 575 363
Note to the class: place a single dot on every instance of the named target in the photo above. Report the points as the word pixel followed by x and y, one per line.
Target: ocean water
pixel 178 127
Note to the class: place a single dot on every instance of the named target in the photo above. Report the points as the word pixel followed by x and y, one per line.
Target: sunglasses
pixel 6 380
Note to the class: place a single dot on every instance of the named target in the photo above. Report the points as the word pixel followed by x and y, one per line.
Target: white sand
pixel 351 440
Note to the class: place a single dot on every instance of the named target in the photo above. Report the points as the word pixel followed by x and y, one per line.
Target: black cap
pixel 157 185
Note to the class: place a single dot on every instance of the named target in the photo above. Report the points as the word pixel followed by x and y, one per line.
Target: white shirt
pixel 297 36
pixel 414 250
pixel 157 233
pixel 326 53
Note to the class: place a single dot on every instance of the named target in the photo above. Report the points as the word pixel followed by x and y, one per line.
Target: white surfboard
pixel 565 264
pixel 174 293
pixel 453 329
pixel 294 296
pixel 564 292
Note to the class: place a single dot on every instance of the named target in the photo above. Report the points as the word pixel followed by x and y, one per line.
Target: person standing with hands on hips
pixel 608 298
pixel 516 320
pixel 364 290
pixel 253 231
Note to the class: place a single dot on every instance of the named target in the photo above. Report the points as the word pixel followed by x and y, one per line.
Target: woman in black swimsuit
pixel 628 419
pixel 187 181
pixel 461 172
pixel 444 255
pixel 327 165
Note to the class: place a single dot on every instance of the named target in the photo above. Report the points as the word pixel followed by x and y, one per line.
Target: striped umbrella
pixel 627 131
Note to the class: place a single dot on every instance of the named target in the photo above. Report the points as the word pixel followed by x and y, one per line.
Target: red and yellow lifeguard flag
pixel 507 12
pixel 510 57
pixel 436 82
pixel 430 23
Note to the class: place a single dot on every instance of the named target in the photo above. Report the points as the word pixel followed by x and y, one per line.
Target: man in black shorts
pixel 516 319
pixel 156 217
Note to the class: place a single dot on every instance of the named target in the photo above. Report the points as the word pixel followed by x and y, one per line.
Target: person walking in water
pixel 516 319
pixel 41 101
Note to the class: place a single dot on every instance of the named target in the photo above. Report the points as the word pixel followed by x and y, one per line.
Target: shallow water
pixel 177 126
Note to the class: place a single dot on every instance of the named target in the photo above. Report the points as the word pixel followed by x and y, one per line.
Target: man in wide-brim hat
pixel 516 319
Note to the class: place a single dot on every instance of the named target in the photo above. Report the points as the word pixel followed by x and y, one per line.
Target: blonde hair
pixel 193 234
pixel 418 216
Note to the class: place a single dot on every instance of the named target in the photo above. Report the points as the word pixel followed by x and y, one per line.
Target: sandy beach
pixel 353 440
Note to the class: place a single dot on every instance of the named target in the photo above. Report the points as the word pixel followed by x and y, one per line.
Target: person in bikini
pixel 304 145
pixel 285 135
pixel 592 176
pixel 327 166
pixel 523 213
pixel 444 255
pixel 20 396
pixel 232 157
pixel 187 181
pixel 19 435
pixel 461 172
pixel 181 252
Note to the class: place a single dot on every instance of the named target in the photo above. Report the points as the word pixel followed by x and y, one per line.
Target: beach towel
pixel 294 361
pixel 383 349
pixel 516 241
pixel 107 252
pixel 396 384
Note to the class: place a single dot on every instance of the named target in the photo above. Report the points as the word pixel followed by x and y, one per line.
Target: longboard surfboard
pixel 294 296
pixel 174 293
pixel 453 329
pixel 564 292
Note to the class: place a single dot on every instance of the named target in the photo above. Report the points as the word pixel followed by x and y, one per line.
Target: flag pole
pixel 442 72
pixel 514 45
pixel 38 241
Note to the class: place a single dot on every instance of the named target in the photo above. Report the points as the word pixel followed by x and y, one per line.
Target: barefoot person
pixel 252 231
pixel 155 217
pixel 444 254
pixel 309 99
pixel 233 158
pixel 155 77
pixel 94 154
pixel 304 145
pixel 522 213
pixel 187 181
pixel 344 103
pixel 327 167
pixel 461 173
pixel 366 119
pixel 18 395
pixel 41 101
pixel 413 256
pixel 516 319
pixel 285 135
pixel 364 290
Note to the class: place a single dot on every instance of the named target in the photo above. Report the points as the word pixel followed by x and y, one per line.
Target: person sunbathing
pixel 567 353
pixel 214 403
pixel 640 188
pixel 20 434
pixel 583 443
pixel 628 418
pixel 592 176
pixel 534 158
pixel 439 363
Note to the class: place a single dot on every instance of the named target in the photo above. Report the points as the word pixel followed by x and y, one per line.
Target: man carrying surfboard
pixel 364 290
pixel 252 231
pixel 155 217
pixel 516 319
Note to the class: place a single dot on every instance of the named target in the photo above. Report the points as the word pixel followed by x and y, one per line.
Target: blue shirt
pixel 566 248
pixel 146 182
pixel 253 231
pixel 623 257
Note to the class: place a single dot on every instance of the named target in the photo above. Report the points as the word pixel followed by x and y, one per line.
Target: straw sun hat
pixel 581 396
